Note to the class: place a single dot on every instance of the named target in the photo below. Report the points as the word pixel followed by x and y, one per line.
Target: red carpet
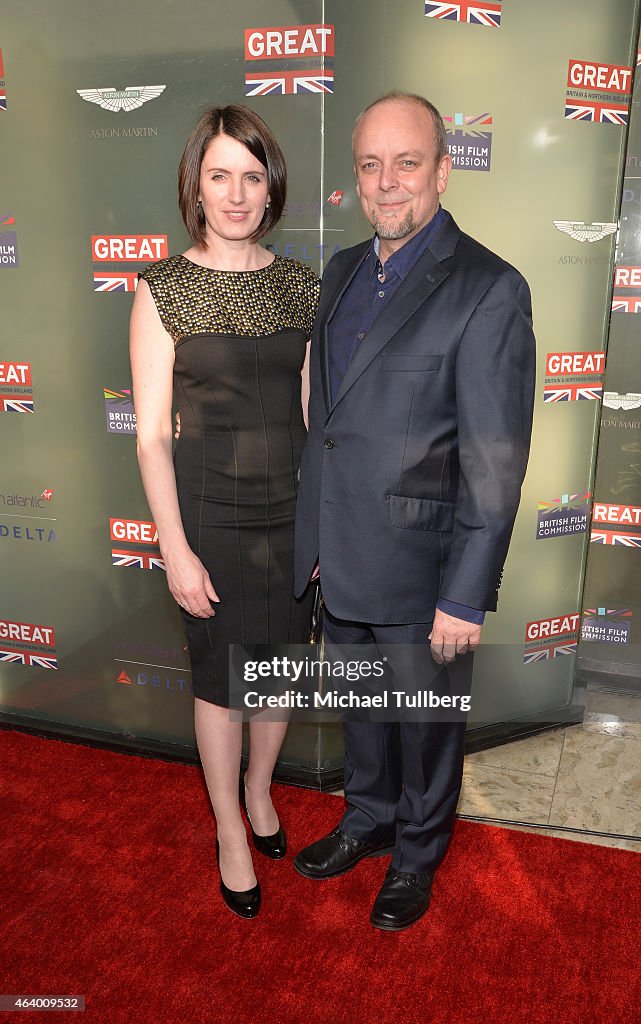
pixel 109 889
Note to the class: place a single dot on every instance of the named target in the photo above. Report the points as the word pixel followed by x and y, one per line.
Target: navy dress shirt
pixel 370 290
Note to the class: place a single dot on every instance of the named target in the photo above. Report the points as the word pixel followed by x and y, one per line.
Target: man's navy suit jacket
pixel 410 481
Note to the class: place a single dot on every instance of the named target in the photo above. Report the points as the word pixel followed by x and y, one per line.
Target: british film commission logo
pixel 122 101
pixel 616 525
pixel 551 638
pixel 607 625
pixel 16 390
pixel 573 376
pixel 119 411
pixel 26 509
pixel 8 244
pixel 469 141
pixel 124 249
pixel 289 60
pixel 626 278
pixel 137 544
pixel 3 87
pixel 473 12
pixel 598 92
pixel 562 516
pixel 27 643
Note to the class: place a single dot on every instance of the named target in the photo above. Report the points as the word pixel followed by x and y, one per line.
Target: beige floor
pixel 586 777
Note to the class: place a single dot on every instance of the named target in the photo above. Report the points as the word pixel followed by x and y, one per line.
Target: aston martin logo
pixel 583 232
pixel 122 99
pixel 615 400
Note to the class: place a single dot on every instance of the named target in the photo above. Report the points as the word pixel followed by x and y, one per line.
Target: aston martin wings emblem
pixel 583 232
pixel 122 99
pixel 614 400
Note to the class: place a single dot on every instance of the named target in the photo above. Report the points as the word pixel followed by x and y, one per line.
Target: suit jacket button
pixel 329 443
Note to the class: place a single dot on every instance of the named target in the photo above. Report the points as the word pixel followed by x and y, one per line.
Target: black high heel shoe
pixel 245 904
pixel 274 846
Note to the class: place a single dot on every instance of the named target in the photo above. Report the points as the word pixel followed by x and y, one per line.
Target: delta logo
pixel 469 138
pixel 616 525
pixel 607 625
pixel 573 376
pixel 626 278
pixel 16 389
pixel 472 12
pixel 174 683
pixel 119 411
pixel 562 516
pixel 137 544
pixel 124 249
pixel 27 643
pixel 8 244
pixel 3 87
pixel 301 53
pixel 551 638
pixel 30 506
pixel 298 247
pixel 598 92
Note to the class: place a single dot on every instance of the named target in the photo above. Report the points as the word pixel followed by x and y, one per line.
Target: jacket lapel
pixel 328 309
pixel 423 279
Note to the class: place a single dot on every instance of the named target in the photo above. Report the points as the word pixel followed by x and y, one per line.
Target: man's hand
pixel 177 434
pixel 451 636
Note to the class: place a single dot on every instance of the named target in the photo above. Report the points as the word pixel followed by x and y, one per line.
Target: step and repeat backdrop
pixel 95 108
pixel 611 625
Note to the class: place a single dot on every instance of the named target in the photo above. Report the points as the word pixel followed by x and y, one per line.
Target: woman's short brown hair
pixel 245 126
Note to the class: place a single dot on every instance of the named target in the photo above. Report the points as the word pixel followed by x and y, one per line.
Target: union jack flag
pixel 565 499
pixel 137 560
pixel 572 392
pixel 549 651
pixel 125 281
pixel 288 82
pixel 626 540
pixel 29 658
pixel 3 91
pixel 623 304
pixel 474 12
pixel 468 124
pixel 15 403
pixel 614 613
pixel 604 113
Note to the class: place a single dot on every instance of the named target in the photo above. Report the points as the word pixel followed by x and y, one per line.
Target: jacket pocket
pixel 412 364
pixel 421 513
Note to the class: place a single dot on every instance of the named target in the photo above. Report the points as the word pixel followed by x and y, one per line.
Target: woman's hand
pixel 190 585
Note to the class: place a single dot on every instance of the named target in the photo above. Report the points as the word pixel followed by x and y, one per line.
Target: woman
pixel 229 322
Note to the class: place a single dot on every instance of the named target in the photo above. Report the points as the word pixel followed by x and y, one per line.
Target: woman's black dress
pixel 240 340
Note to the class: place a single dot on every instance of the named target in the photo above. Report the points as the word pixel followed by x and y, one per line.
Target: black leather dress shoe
pixel 404 897
pixel 335 854
pixel 274 846
pixel 247 903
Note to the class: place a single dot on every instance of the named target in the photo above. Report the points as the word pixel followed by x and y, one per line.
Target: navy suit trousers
pixel 403 777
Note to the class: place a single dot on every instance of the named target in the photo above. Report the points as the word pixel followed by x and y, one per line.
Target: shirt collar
pixel 404 258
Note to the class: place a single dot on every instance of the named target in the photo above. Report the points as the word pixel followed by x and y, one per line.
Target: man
pixel 422 382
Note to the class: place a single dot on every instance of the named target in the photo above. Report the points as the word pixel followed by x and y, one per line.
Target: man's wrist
pixel 461 611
